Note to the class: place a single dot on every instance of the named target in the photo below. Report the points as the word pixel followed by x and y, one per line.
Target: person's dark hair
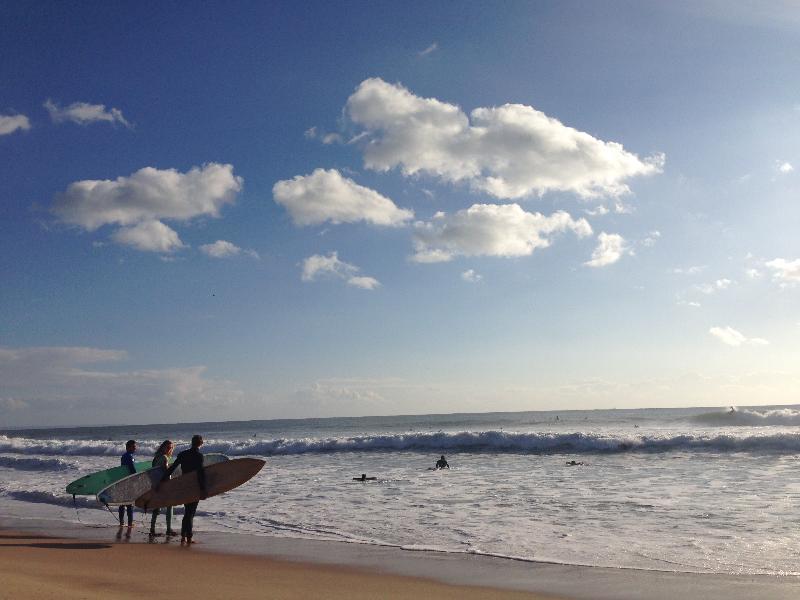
pixel 129 444
pixel 162 449
pixel 197 440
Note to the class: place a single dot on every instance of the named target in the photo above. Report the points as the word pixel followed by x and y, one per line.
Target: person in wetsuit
pixel 162 458
pixel 191 461
pixel 442 463
pixel 128 461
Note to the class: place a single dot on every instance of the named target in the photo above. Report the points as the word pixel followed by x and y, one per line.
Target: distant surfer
pixel 162 458
pixel 574 463
pixel 128 461
pixel 190 461
pixel 364 478
pixel 442 463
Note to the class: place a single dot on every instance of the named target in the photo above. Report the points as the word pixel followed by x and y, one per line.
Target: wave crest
pixel 749 418
pixel 463 441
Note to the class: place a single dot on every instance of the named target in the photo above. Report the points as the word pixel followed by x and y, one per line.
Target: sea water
pixel 696 490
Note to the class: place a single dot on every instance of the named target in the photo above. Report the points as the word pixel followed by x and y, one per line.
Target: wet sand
pixel 36 566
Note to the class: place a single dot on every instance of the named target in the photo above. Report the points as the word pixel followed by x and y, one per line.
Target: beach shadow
pixel 24 537
pixel 55 546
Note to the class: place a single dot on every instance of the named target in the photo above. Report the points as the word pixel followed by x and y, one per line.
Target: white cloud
pixel 318 266
pixel 140 201
pixel 785 271
pixel 73 381
pixel 429 50
pixel 225 249
pixel 732 337
pixel 752 273
pixel 785 167
pixel 510 151
pixel 327 196
pixel 471 276
pixel 310 133
pixel 149 236
pixel 610 248
pixel 690 303
pixel 11 123
pixel 490 230
pixel 365 283
pixel 84 113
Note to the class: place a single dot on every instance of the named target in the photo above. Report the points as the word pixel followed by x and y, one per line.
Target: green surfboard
pixel 89 485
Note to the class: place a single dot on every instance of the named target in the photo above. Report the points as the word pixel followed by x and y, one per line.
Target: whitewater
pixel 696 490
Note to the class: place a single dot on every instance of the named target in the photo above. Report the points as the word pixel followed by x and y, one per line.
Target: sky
pixel 249 210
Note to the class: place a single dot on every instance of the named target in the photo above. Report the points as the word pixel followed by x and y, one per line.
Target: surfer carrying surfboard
pixel 190 460
pixel 162 459
pixel 127 460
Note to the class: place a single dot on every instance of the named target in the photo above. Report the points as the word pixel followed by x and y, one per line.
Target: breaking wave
pixel 56 499
pixel 35 464
pixel 464 441
pixel 749 418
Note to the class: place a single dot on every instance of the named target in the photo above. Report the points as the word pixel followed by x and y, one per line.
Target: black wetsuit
pixel 442 464
pixel 127 461
pixel 190 460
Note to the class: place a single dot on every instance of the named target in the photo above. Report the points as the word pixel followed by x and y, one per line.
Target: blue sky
pixel 252 210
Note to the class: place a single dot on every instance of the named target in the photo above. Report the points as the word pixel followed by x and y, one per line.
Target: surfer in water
pixel 442 463
pixel 162 458
pixel 191 461
pixel 128 461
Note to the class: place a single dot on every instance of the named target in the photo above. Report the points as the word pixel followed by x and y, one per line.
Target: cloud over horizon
pixel 62 378
pixel 511 151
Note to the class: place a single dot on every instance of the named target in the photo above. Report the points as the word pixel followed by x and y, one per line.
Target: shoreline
pixel 471 574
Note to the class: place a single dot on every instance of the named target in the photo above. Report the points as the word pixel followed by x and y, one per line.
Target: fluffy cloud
pixel 610 248
pixel 785 271
pixel 12 123
pixel 84 113
pixel 785 167
pixel 510 151
pixel 732 337
pixel 490 230
pixel 149 236
pixel 139 202
pixel 327 196
pixel 76 381
pixel 319 266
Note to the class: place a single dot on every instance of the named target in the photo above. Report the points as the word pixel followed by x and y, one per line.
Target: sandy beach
pixel 41 567
pixel 45 558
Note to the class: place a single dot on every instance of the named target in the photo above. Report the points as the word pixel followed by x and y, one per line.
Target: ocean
pixel 705 490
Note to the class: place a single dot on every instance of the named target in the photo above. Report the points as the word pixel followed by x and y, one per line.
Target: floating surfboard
pixel 220 478
pixel 128 489
pixel 89 485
